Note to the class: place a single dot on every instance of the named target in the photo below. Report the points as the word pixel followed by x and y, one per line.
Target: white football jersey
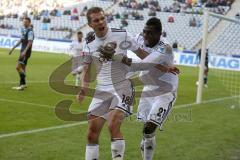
pixel 110 72
pixel 154 78
pixel 76 48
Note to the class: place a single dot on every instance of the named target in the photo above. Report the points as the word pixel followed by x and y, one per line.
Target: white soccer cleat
pixel 24 86
pixel 20 88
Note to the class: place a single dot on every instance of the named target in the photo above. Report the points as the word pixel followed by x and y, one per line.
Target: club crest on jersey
pixel 125 45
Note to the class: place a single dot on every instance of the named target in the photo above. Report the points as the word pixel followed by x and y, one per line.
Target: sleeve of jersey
pixel 156 58
pixel 30 36
pixel 150 61
pixel 139 65
pixel 87 54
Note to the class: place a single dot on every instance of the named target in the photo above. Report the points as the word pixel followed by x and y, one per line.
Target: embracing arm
pixel 148 61
pixel 153 60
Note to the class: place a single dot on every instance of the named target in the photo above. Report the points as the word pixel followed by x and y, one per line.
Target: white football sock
pixel 92 152
pixel 149 146
pixel 118 148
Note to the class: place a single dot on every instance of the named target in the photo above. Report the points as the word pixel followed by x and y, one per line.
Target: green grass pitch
pixel 208 131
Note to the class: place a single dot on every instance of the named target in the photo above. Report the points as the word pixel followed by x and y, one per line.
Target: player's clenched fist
pixel 107 51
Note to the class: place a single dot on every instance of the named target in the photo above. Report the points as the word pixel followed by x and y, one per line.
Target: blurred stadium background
pixel 29 127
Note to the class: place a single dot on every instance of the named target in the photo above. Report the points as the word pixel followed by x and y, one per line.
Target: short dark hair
pixel 27 18
pixel 154 21
pixel 93 10
pixel 79 32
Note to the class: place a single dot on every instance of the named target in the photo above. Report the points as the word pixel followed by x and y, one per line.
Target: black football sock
pixel 22 78
pixel 205 80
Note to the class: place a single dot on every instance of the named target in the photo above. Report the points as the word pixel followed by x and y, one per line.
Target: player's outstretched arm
pixel 150 61
pixel 140 66
pixel 107 52
pixel 158 59
pixel 15 46
pixel 146 65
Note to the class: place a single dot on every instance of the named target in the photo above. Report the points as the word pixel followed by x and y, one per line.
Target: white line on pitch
pixel 41 129
pixel 32 104
pixel 178 106
pixel 28 103
pixel 31 82
pixel 206 101
pixel 80 123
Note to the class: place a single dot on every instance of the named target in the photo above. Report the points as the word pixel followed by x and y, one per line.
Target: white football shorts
pixel 106 98
pixel 155 109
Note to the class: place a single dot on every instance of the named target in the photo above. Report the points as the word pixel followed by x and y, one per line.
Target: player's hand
pixel 81 94
pixel 107 51
pixel 173 70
